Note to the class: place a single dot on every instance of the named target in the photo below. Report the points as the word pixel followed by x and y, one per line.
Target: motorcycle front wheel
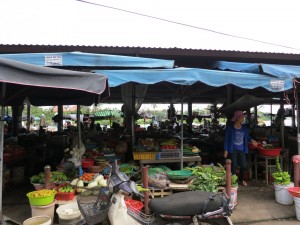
pixel 218 221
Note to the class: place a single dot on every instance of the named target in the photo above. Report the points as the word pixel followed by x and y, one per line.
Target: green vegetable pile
pixel 268 146
pixel 208 178
pixel 66 189
pixel 281 177
pixel 56 177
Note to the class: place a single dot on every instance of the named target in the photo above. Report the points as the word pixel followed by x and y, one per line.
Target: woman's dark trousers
pixel 238 158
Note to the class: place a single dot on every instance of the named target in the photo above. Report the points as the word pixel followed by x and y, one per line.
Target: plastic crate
pixel 143 155
pixel 65 196
pixel 168 155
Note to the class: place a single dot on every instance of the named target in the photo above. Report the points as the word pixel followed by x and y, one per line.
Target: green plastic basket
pixel 42 200
pixel 179 174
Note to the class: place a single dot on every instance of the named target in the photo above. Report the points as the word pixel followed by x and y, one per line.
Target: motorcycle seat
pixel 187 203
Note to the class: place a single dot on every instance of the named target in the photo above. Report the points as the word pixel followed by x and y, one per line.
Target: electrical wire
pixel 188 25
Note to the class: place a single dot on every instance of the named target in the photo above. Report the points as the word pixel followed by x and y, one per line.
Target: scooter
pixel 183 208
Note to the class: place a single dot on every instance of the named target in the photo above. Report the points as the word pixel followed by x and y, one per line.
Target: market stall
pixel 45 86
pixel 181 77
pixel 181 83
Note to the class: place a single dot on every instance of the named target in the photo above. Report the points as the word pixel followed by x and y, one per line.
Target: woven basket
pixel 96 169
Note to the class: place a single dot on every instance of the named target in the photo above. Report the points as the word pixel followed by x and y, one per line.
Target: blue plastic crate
pixel 171 154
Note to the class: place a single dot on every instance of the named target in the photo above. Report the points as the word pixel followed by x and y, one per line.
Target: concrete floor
pixel 15 203
pixel 256 203
pixel 256 206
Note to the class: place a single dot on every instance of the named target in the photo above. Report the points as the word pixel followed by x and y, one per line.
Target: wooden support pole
pixel 296 161
pixel 228 177
pixel 47 170
pixel 146 186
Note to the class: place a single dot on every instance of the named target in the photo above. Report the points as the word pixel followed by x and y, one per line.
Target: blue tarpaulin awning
pixel 280 71
pixel 189 76
pixel 81 59
pixel 235 66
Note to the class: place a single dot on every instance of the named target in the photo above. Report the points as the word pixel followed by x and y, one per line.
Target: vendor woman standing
pixel 236 144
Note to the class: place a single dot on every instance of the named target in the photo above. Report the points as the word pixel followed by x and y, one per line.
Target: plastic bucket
pixel 282 195
pixel 68 213
pixel 297 207
pixel 45 210
pixel 233 197
pixel 38 220
pixel 70 221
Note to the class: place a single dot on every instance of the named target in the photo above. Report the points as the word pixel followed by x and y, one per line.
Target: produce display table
pixel 196 159
pixel 268 162
pixel 155 192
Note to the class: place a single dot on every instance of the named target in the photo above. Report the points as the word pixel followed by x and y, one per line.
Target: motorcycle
pixel 183 208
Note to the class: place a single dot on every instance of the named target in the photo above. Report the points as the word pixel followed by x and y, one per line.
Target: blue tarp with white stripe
pixel 189 76
pixel 81 59
pixel 280 71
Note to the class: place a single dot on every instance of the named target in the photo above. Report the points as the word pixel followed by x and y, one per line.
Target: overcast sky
pixel 70 22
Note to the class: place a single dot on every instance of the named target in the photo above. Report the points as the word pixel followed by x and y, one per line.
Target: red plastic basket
pixel 133 204
pixel 65 196
pixel 294 191
pixel 86 163
pixel 269 152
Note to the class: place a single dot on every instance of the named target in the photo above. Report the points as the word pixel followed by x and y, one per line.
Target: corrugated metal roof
pixel 139 47
pixel 182 56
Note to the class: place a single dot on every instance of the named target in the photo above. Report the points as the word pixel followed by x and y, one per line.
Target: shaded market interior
pixel 198 92
pixel 170 93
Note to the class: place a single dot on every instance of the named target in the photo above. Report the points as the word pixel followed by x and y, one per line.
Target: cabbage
pixel 92 184
pixel 102 183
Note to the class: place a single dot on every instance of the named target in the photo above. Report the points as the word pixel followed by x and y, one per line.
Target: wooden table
pixel 268 162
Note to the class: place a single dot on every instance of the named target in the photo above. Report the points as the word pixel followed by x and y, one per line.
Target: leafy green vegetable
pixel 208 178
pixel 281 177
pixel 234 180
pixel 35 179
